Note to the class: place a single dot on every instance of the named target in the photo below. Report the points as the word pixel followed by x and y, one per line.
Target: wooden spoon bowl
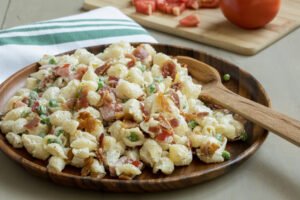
pixel 241 83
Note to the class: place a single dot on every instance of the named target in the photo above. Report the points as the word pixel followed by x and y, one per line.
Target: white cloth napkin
pixel 23 45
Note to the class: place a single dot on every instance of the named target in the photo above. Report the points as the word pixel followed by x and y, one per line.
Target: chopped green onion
pixel 133 137
pixel 42 110
pixel 124 100
pixel 226 77
pixel 53 140
pixel 52 61
pixel 37 90
pixel 60 132
pixel 33 95
pixel 151 88
pixel 142 68
pixel 219 137
pixel 45 119
pixel 192 124
pixel 42 135
pixel 100 84
pixel 53 103
pixel 244 136
pixel 158 79
pixel 25 114
pixel 226 155
pixel 30 102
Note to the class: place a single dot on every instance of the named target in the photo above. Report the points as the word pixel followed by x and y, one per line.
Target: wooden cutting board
pixel 214 29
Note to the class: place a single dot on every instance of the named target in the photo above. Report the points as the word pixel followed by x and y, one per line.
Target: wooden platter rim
pixel 7 149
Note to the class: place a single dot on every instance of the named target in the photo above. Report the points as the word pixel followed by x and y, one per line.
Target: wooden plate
pixel 241 83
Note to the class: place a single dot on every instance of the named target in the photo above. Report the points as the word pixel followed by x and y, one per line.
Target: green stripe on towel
pixel 58 38
pixel 64 26
pixel 85 20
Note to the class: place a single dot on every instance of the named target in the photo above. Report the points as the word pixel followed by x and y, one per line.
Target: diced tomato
pixel 154 129
pixel 137 163
pixel 35 106
pixel 170 7
pixel 178 9
pixel 209 3
pixel 164 135
pixel 193 4
pixel 146 7
pixel 190 21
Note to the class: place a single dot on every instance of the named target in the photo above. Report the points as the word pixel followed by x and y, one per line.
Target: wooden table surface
pixel 272 173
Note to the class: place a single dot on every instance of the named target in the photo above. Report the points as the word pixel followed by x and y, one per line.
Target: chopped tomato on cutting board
pixel 209 3
pixel 190 21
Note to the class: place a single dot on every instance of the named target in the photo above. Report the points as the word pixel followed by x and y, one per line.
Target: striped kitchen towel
pixel 23 45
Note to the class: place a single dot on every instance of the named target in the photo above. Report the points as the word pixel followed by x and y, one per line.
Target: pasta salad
pixel 115 113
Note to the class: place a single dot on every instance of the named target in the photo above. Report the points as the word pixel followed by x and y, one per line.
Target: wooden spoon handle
pixel 263 116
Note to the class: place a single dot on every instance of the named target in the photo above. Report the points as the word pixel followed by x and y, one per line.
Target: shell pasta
pixel 117 112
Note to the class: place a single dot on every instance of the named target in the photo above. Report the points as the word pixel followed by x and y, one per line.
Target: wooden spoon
pixel 214 91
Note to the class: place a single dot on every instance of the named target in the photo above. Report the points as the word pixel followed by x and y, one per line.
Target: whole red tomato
pixel 250 14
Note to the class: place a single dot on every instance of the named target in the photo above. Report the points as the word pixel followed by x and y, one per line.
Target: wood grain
pixel 214 91
pixel 215 30
pixel 182 177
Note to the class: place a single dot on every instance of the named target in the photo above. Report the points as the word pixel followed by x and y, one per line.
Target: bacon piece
pixel 169 69
pixel 80 72
pixel 86 170
pixel 132 62
pixel 99 153
pixel 192 116
pixel 33 123
pixel 101 137
pixel 35 106
pixel 102 69
pixel 140 52
pixel 108 112
pixel 63 71
pixel 26 100
pixel 174 122
pixel 176 86
pixel 175 98
pixel 107 96
pixel 146 114
pixel 82 101
pixel 113 81
pixel 164 122
pixel 70 104
pixel 209 149
pixel 18 104
pixel 202 114
pixel 70 155
pixel 87 122
pixel 47 80
pixel 163 102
